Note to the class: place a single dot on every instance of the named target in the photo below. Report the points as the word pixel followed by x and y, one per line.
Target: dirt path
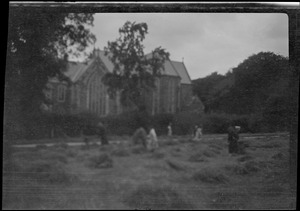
pixel 205 137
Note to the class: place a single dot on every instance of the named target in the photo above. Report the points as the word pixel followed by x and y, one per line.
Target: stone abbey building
pixel 86 93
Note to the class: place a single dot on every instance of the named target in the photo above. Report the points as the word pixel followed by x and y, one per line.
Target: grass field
pixel 179 175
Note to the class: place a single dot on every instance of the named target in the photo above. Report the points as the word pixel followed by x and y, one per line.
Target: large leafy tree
pixel 38 45
pixel 134 72
pixel 254 86
pixel 258 78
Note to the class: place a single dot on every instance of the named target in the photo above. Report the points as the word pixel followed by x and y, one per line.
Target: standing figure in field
pixel 170 132
pixel 152 139
pixel 197 133
pixel 140 137
pixel 233 137
pixel 101 132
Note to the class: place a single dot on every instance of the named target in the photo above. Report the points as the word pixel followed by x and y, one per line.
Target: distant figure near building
pixel 197 133
pixel 101 132
pixel 140 137
pixel 233 137
pixel 152 139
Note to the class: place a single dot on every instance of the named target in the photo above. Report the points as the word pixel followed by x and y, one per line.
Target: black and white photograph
pixel 147 106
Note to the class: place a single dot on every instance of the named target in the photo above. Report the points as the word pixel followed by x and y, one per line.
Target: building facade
pixel 85 91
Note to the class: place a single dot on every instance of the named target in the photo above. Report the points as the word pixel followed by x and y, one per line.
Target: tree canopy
pixel 38 46
pixel 258 85
pixel 134 72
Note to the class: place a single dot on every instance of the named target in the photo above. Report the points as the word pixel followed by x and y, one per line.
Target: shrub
pixel 185 121
pixel 100 161
pixel 125 123
pixel 149 197
pixel 216 123
pixel 209 175
pixel 161 121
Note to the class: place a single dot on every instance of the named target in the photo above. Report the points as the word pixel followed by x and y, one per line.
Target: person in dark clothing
pixel 101 132
pixel 233 138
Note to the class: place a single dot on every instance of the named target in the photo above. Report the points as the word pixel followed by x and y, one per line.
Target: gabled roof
pixel 105 59
pixel 182 71
pixel 168 67
pixel 75 70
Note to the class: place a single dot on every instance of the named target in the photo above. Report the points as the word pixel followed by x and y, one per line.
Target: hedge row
pixel 43 126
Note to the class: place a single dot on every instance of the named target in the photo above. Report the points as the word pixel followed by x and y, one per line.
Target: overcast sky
pixel 208 42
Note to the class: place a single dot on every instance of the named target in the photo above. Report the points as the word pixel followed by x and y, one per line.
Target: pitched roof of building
pixel 75 70
pixel 171 68
pixel 168 67
pixel 182 71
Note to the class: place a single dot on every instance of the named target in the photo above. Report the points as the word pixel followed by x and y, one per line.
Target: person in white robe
pixel 198 133
pixel 152 139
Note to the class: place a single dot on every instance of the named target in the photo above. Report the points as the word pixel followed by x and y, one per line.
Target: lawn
pixel 179 175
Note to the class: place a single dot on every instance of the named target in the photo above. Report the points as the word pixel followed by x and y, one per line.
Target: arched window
pixel 96 95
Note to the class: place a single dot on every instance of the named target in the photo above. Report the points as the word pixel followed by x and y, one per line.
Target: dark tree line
pixel 259 85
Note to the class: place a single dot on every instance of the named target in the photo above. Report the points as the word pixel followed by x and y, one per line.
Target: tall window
pixel 178 96
pixel 96 96
pixel 173 103
pixel 156 96
pixel 61 93
pixel 171 96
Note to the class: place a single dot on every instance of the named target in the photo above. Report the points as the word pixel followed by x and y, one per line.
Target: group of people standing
pixel 150 140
